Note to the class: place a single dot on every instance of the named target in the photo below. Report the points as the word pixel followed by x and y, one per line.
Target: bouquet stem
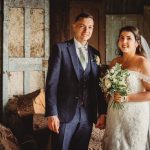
pixel 116 105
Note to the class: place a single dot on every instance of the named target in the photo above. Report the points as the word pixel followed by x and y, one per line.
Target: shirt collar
pixel 79 45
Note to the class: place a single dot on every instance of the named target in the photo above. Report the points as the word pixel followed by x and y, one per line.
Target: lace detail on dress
pixel 127 129
pixel 135 84
pixel 141 76
pixel 134 81
pixel 145 78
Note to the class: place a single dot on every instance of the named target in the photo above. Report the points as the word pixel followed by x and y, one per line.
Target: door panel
pixel 15 32
pixel 147 23
pixel 26 46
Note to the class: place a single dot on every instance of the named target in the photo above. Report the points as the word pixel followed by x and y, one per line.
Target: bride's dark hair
pixel 137 35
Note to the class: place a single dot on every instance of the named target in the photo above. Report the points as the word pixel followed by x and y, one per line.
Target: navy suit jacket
pixel 62 83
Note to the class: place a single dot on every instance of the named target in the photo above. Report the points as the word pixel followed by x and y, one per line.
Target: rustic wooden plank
pixel 36 80
pixel 26 82
pixel 37 33
pixel 1 40
pixel 147 23
pixel 5 54
pixel 25 64
pixel 102 31
pixel 59 24
pixel 47 38
pixel 27 32
pixel 1 31
pixel 26 3
pixel 37 3
pixel 93 40
pixel 47 25
pixel 124 6
pixel 9 3
pixel 15 83
pixel 1 58
pixel 16 32
pixel 16 3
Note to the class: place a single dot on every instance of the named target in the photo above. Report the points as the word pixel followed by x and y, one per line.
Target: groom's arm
pixel 52 82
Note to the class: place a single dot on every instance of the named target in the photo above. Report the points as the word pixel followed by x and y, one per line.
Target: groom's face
pixel 83 29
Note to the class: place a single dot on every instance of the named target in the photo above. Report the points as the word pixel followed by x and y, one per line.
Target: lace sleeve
pixel 145 78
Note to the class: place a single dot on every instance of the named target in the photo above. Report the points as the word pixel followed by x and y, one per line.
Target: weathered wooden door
pixel 113 25
pixel 146 21
pixel 25 46
pixel 97 10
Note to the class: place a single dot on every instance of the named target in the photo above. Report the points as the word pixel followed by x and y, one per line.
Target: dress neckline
pixel 139 73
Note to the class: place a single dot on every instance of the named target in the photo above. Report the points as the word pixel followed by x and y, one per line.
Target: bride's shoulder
pixel 144 65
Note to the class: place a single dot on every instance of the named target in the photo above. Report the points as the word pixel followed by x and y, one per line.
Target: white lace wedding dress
pixel 127 128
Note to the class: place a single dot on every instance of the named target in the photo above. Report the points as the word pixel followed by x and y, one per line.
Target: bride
pixel 127 128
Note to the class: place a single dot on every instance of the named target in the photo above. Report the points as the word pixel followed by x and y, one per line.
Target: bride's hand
pixel 118 98
pixel 101 122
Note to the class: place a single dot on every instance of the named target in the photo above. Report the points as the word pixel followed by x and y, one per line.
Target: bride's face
pixel 127 42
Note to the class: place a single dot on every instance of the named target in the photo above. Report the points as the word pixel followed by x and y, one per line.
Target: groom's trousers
pixel 74 135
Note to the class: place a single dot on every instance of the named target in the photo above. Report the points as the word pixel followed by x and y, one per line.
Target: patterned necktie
pixel 83 57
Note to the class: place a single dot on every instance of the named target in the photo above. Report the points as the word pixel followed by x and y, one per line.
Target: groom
pixel 72 89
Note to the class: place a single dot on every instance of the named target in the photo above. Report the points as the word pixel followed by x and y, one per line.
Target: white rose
pixel 122 83
pixel 107 76
pixel 112 70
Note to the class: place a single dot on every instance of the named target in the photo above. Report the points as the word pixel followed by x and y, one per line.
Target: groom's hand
pixel 101 122
pixel 53 123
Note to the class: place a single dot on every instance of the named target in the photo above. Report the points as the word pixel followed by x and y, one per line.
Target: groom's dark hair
pixel 83 15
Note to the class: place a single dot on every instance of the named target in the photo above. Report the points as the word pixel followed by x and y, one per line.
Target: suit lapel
pixel 74 57
pixel 75 61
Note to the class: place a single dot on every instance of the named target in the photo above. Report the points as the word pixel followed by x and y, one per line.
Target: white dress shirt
pixel 78 45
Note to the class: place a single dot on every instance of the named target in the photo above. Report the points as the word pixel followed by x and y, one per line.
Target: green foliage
pixel 115 80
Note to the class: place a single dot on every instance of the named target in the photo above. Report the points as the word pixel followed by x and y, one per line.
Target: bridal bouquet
pixel 115 80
